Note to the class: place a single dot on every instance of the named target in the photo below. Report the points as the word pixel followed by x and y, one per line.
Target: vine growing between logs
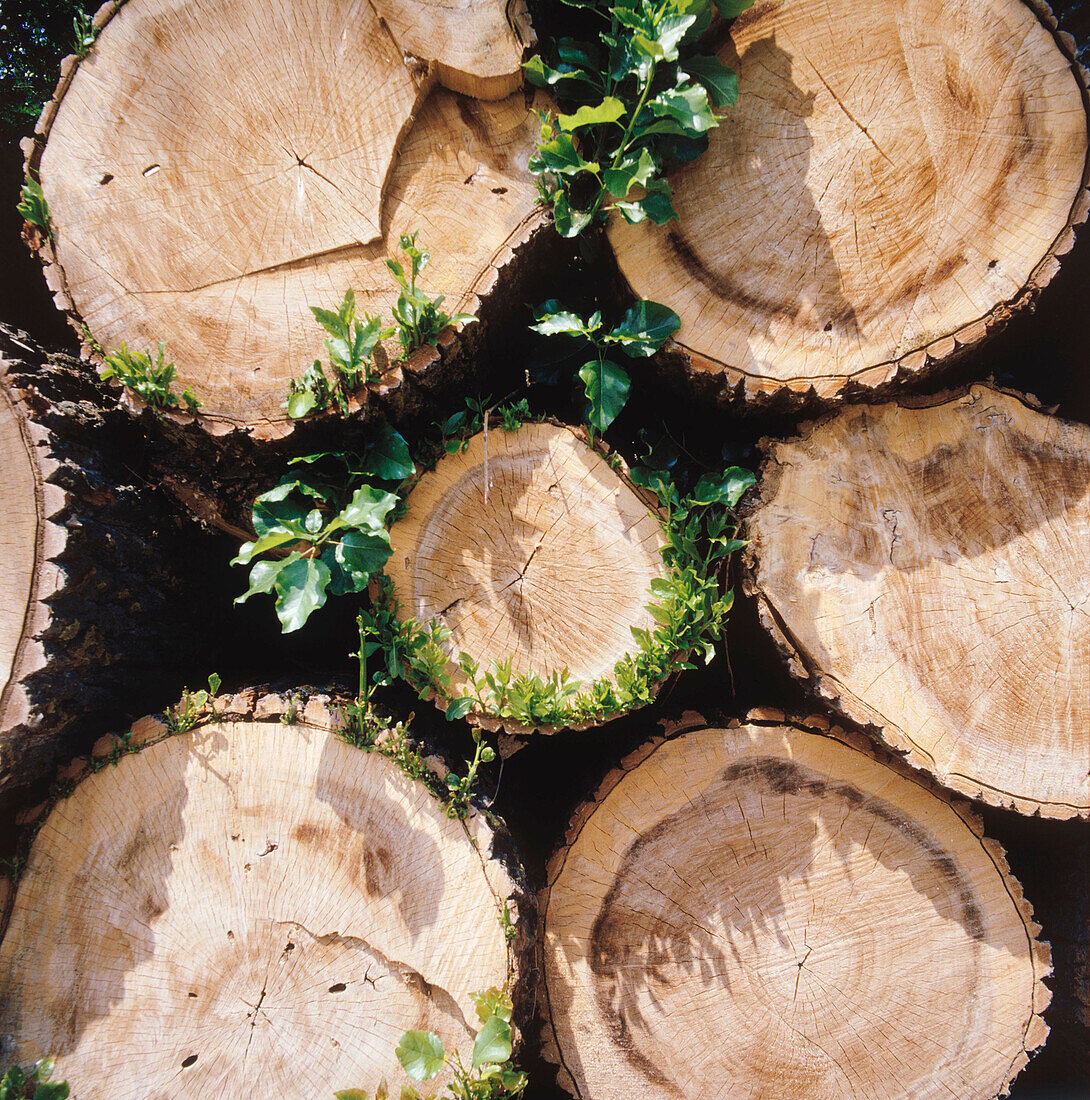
pixel 638 97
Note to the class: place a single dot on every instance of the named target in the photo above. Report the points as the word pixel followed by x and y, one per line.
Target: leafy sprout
pixel 33 1083
pixel 84 33
pixel 33 207
pixel 639 97
pixel 150 379
pixel 419 318
pixel 640 333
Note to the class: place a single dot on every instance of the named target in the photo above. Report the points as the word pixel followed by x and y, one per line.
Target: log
pixel 210 205
pixel 897 179
pixel 767 910
pixel 926 567
pixel 96 571
pixel 530 546
pixel 247 906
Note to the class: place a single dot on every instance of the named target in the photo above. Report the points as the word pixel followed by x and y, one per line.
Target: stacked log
pixel 248 905
pixel 209 199
pixel 924 565
pixel 530 546
pixel 896 180
pixel 767 909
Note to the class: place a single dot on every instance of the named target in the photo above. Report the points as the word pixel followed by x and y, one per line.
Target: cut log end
pixel 245 906
pixel 875 200
pixel 530 547
pixel 928 568
pixel 217 207
pixel 794 919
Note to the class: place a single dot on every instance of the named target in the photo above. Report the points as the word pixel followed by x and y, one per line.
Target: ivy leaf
pixel 542 75
pixel 492 1002
pixel 568 222
pixel 645 328
pixel 459 708
pixel 249 550
pixel 606 386
pixel 686 105
pixel 368 508
pixel 493 1042
pixel 420 1054
pixel 725 488
pixel 300 589
pixel 632 171
pixel 719 80
pixel 388 456
pixel 656 206
pixel 561 156
pixel 552 320
pixel 670 31
pixel 609 110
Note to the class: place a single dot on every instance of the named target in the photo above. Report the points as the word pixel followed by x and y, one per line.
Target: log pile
pixel 744 907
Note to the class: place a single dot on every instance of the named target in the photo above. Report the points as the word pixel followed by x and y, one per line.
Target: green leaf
pixel 609 110
pixel 728 9
pixel 719 80
pixel 606 386
pixel 561 156
pixel 363 552
pixel 656 206
pixel 492 1002
pixel 330 321
pixel 670 31
pixel 569 223
pixel 420 1054
pixel 262 578
pixel 388 456
pixel 493 1042
pixel 300 589
pixel 459 708
pixel 368 508
pixel 686 105
pixel 553 321
pixel 725 488
pixel 282 515
pixel 352 1094
pixel 56 1091
pixel 645 328
pixel 249 550
pixel 632 171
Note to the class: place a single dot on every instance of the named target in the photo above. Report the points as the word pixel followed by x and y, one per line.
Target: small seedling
pixel 189 712
pixel 84 33
pixel 33 1083
pixel 150 379
pixel 640 333
pixel 419 318
pixel 351 346
pixel 33 207
pixel 514 415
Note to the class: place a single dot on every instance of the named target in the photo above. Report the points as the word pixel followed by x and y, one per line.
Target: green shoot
pixel 151 380
pixel 419 318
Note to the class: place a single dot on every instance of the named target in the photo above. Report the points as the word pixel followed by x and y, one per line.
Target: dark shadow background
pixel 1044 352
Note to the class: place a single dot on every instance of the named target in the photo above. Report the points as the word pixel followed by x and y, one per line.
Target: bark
pixel 211 207
pixel 925 566
pixel 246 906
pixel 793 918
pixel 879 199
pixel 527 545
pixel 98 572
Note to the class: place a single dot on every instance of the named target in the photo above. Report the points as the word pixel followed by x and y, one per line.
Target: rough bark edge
pixel 488 833
pixel 427 367
pixel 735 388
pixel 514 735
pixel 1040 951
pixel 16 709
pixel 802 665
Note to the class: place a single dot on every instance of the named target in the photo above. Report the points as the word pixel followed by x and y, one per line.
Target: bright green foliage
pixel 84 33
pixel 151 380
pixel 491 1075
pixel 419 318
pixel 32 1084
pixel 514 415
pixel 322 529
pixel 351 346
pixel 638 98
pixel 640 333
pixel 33 207
pixel 183 717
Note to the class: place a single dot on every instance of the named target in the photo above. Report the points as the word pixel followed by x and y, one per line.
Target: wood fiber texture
pixel 551 566
pixel 769 911
pixel 929 569
pixel 214 169
pixel 897 176
pixel 243 908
